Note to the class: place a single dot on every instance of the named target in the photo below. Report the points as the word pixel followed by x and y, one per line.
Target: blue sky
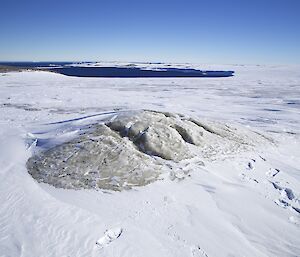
pixel 240 31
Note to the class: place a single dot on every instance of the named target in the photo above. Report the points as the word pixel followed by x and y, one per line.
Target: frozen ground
pixel 246 204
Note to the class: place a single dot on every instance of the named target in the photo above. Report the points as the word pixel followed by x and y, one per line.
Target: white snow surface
pixel 244 205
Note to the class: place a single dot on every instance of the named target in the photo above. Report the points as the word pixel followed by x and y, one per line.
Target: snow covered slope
pixel 244 205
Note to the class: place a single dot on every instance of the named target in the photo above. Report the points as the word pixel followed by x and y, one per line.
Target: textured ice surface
pixel 129 150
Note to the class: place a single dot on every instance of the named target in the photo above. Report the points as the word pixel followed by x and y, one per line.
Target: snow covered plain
pixel 246 204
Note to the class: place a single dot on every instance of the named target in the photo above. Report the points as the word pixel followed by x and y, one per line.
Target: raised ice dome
pixel 130 150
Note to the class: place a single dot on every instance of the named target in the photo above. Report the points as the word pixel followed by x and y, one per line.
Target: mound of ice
pixel 131 150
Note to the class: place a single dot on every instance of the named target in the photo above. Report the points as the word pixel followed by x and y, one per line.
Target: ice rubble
pixel 131 150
